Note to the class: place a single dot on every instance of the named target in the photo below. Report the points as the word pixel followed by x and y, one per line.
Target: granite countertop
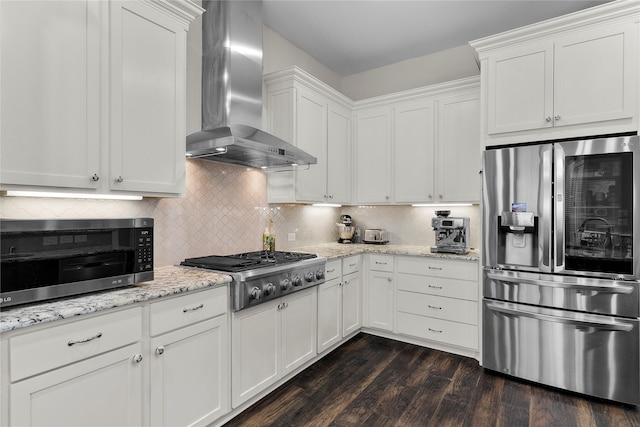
pixel 167 281
pixel 338 250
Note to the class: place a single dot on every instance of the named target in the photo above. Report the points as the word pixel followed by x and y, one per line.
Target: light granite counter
pixel 167 281
pixel 339 250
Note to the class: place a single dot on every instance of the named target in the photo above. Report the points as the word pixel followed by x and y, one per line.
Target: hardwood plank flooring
pixel 372 381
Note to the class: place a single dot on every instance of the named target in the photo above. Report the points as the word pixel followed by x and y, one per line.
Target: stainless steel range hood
pixel 232 91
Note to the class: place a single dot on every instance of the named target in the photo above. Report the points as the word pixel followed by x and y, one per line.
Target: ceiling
pixel 352 36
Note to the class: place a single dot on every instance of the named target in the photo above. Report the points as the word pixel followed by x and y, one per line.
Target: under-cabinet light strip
pixel 14 193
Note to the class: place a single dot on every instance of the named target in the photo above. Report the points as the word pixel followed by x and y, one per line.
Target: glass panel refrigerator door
pixel 598 212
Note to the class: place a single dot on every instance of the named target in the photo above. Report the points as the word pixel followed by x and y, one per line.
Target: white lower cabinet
pixel 271 340
pixel 380 292
pixel 339 301
pixel 437 300
pixel 103 369
pixel 79 373
pixel 189 365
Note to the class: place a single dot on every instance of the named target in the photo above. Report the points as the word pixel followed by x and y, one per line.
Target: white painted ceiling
pixel 351 36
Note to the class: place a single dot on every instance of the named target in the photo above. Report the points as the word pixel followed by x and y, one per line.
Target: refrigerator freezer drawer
pixel 592 295
pixel 590 354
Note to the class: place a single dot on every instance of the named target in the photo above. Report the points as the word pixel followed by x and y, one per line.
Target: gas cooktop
pixel 246 261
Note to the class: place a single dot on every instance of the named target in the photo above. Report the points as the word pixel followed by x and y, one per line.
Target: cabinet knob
pixel 557 117
pixel 388 279
pixel 160 350
pixel 430 196
pixel 137 358
pixel 386 197
pixel 119 179
pixel 95 177
pixel 440 196
pixel 548 119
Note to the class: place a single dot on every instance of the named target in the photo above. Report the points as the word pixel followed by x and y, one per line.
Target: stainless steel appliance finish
pixel 232 91
pixel 53 258
pixel 264 275
pixel 376 235
pixel 561 276
pixel 346 229
pixel 452 235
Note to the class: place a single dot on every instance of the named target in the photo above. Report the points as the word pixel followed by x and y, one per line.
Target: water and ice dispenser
pixel 518 239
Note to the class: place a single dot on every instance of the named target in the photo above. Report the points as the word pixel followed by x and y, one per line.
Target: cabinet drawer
pixel 454 288
pixel 465 270
pixel 454 333
pixel 333 269
pixel 453 309
pixel 49 348
pixel 351 264
pixel 185 310
pixel 381 262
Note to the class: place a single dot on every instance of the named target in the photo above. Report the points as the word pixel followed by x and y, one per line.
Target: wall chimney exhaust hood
pixel 232 92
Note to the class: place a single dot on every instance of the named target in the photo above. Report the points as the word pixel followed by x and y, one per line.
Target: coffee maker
pixel 452 234
pixel 346 229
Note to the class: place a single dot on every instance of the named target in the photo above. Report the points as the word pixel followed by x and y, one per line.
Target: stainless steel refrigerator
pixel 561 268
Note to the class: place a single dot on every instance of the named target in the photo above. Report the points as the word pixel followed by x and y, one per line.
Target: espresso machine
pixel 346 229
pixel 452 234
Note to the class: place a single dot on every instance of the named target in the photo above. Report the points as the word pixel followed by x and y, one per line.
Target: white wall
pixel 450 64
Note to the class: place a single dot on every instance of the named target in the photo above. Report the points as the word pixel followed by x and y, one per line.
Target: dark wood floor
pixel 372 381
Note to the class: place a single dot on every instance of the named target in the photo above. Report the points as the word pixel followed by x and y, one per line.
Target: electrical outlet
pixel 291 237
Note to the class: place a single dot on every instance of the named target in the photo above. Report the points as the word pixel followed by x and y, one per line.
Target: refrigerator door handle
pixel 513 310
pixel 546 209
pixel 602 286
pixel 559 208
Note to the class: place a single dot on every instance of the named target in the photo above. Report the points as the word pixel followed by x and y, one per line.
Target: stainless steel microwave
pixel 44 259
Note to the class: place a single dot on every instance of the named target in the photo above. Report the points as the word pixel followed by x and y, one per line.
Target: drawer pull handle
pixel 434 307
pixel 435 268
pixel 197 307
pixel 381 263
pixel 83 340
pixel 435 330
pixel 353 265
pixel 435 287
pixel 331 271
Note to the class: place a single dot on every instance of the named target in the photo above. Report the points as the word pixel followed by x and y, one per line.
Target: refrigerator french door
pixel 561 271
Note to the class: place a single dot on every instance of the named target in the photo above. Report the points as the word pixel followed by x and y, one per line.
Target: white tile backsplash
pixel 225 211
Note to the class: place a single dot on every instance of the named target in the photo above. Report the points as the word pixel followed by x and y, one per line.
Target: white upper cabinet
pixel 97 101
pixel 414 145
pixel 419 146
pixel 373 156
pixel 567 77
pixel 312 116
pixel 50 104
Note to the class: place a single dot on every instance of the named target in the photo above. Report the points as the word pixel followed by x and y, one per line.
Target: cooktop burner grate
pixel 246 261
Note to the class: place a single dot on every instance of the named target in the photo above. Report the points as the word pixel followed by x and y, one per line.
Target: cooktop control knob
pixel 285 284
pixel 269 289
pixel 297 281
pixel 319 274
pixel 309 277
pixel 255 293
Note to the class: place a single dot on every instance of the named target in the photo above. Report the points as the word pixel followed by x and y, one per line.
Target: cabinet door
pixel 299 329
pixel 351 303
pixel 413 152
pixel 255 352
pixel 339 154
pixel 50 106
pixel 458 152
pixel 104 390
pixel 311 136
pixel 329 313
pixel 520 89
pixel 190 375
pixel 380 310
pixel 281 106
pixel 595 73
pixel 148 96
pixel 373 156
